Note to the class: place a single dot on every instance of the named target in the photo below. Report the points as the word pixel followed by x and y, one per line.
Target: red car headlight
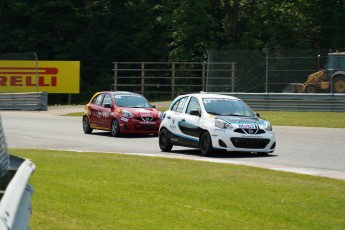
pixel 127 114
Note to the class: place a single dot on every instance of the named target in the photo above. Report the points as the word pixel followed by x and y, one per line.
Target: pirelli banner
pixel 49 76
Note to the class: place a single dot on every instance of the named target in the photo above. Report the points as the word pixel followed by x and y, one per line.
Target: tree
pixel 100 32
pixel 325 22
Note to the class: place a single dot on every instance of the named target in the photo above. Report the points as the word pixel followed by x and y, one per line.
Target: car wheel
pixel 164 142
pixel 115 128
pixel 206 144
pixel 86 125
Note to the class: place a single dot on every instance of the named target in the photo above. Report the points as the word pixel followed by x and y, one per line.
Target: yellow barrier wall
pixel 53 76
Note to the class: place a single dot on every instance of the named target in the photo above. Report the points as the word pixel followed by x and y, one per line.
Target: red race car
pixel 121 112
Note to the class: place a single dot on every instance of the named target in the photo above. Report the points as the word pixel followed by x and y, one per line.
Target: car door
pixel 189 123
pixel 183 126
pixel 173 116
pixel 105 111
pixel 94 107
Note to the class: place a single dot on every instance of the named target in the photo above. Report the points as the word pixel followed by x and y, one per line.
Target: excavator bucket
pixel 293 88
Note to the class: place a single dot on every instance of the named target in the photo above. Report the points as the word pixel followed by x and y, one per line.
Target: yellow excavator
pixel 332 79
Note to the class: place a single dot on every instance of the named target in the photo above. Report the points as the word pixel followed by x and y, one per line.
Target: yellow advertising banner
pixel 50 76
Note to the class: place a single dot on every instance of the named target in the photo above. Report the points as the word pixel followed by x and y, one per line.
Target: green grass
pixel 307 119
pixel 112 191
pixel 284 118
pixel 75 114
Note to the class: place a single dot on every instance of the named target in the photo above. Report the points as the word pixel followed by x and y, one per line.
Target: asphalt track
pixel 313 151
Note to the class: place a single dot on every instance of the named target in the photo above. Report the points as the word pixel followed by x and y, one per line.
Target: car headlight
pixel 127 114
pixel 222 124
pixel 269 127
pixel 160 115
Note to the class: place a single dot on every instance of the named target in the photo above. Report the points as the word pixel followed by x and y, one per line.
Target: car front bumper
pixel 139 127
pixel 237 142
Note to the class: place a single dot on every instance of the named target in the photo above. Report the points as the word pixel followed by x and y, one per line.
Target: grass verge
pixel 76 190
pixel 307 119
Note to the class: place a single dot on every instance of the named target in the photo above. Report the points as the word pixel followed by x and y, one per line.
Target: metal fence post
pixel 330 72
pixel 36 60
pixel 142 78
pixel 115 76
pixel 173 70
pixel 203 88
pixel 266 83
pixel 232 76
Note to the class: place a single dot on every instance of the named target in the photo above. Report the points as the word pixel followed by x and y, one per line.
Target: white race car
pixel 212 121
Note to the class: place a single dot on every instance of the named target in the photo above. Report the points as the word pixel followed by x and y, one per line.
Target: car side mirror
pixel 195 112
pixel 153 106
pixel 258 115
pixel 108 105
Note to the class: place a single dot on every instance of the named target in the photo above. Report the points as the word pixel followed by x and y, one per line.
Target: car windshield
pixel 131 101
pixel 227 107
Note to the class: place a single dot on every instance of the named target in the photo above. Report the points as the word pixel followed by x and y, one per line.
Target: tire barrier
pixel 24 101
pixel 15 192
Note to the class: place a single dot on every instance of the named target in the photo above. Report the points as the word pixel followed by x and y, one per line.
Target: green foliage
pixel 275 25
pixel 100 32
pixel 76 190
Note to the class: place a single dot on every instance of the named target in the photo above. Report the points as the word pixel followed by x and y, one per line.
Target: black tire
pixel 164 142
pixel 86 125
pixel 206 144
pixel 115 128
pixel 310 88
pixel 339 84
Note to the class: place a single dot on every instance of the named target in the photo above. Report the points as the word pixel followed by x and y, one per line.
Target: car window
pixel 97 99
pixel 131 101
pixel 227 107
pixel 179 105
pixel 193 105
pixel 106 100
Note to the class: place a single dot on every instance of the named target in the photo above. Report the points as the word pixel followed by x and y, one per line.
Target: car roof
pixel 210 95
pixel 119 92
pixel 122 92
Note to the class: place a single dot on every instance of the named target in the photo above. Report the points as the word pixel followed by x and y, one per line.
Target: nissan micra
pixel 121 113
pixel 212 121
